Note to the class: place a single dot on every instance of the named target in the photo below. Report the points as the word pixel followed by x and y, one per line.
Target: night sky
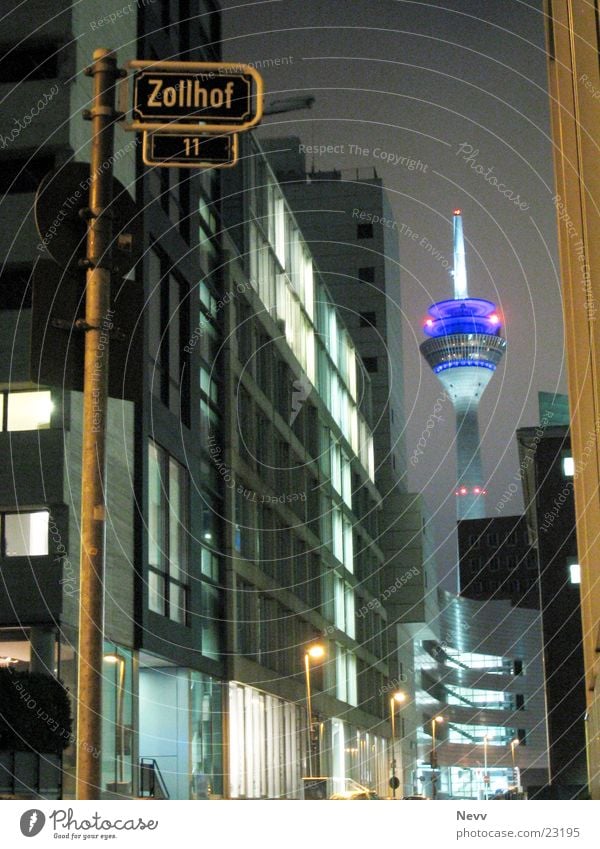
pixel 455 85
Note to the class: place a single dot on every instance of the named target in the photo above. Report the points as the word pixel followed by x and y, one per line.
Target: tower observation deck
pixel 463 349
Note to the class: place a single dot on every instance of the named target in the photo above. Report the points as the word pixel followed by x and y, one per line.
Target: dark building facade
pixel 497 560
pixel 546 459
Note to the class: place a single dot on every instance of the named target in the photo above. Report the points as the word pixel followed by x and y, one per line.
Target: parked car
pixel 415 796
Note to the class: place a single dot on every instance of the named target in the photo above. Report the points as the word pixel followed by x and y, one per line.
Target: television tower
pixel 463 350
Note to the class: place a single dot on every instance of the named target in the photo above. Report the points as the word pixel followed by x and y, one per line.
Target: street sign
pixel 166 150
pixel 394 782
pixel 195 97
pixel 62 196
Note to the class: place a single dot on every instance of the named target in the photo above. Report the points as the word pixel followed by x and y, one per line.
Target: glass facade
pixel 117 720
pixel 268 745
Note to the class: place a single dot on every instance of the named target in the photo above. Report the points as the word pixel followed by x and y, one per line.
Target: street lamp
pixel 314 652
pixel 434 723
pixel 117 658
pixel 486 778
pixel 395 699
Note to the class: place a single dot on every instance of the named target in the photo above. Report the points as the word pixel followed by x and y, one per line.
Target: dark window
pixel 492 539
pixel 522 737
pixel 364 230
pixel 473 540
pixel 23 175
pixel 370 364
pixel 518 667
pixel 520 701
pixel 511 560
pixel 367 274
pixel 494 564
pixel 475 564
pixel 15 291
pixel 367 319
pixel 29 62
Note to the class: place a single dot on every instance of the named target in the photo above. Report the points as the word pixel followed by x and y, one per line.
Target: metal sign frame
pixel 199 128
pixel 147 153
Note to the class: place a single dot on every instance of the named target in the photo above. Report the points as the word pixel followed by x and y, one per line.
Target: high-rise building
pixel 573 45
pixel 548 488
pixel 304 558
pixel 347 221
pixel 463 350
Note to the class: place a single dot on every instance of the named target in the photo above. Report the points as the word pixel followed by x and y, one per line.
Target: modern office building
pixel 548 488
pixel 480 694
pixel 304 558
pixel 463 349
pixel 573 44
pixel 346 218
pixel 497 561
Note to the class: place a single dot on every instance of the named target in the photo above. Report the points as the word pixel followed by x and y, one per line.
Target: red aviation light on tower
pixel 457 212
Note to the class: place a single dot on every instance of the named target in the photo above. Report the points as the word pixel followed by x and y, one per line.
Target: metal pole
pixel 393 746
pixel 95 402
pixel 309 711
pixel 434 759
pixel 485 768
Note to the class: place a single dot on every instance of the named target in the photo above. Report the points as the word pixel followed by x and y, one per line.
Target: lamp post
pixel 314 652
pixel 395 699
pixel 434 723
pixel 516 777
pixel 117 658
pixel 486 778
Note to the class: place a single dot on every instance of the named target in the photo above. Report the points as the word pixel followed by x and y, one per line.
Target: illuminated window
pixel 25 534
pixel 167 535
pixel 25 410
pixel 568 466
pixel 345 669
pixel 574 573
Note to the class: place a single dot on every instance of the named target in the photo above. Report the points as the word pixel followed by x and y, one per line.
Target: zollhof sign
pixel 188 98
